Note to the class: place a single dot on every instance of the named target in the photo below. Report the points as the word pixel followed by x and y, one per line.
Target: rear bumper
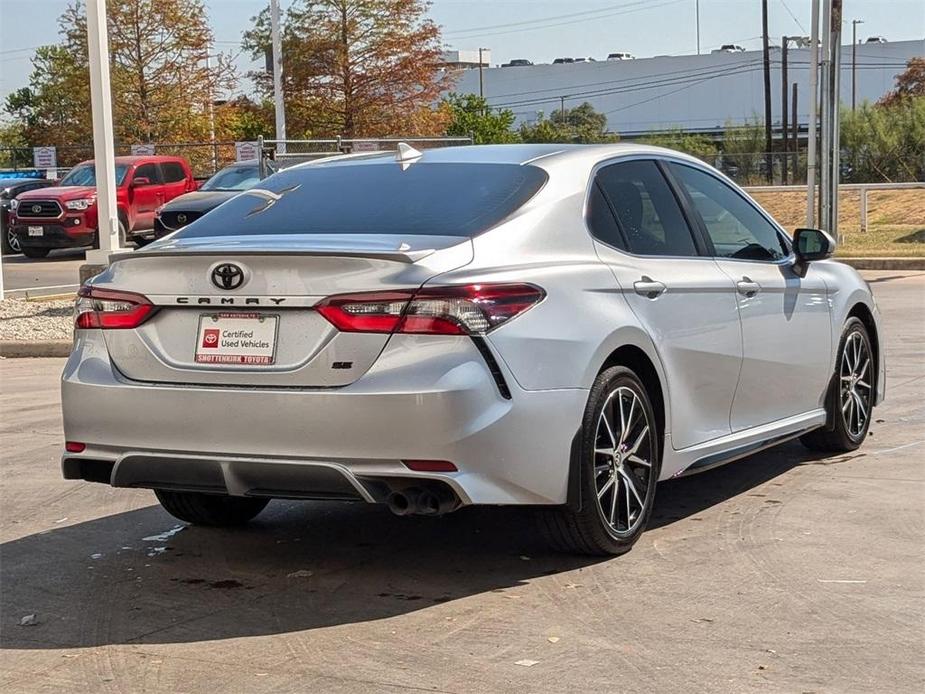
pixel 413 404
pixel 54 235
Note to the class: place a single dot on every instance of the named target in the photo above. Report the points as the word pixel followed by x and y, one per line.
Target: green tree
pixel 471 115
pixel 581 124
pixel 363 68
pixel 742 149
pixel 884 143
pixel 699 146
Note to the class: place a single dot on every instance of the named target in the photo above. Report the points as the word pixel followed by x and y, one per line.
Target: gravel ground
pixel 23 320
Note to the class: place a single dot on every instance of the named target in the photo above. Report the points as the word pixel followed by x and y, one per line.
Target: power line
pixel 793 17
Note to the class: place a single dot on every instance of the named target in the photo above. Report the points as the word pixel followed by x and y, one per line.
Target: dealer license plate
pixel 236 338
pixel 36 231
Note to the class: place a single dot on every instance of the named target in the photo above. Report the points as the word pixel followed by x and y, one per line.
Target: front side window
pixel 647 212
pixel 148 171
pixel 736 228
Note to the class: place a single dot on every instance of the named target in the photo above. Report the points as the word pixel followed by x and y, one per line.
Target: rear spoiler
pixel 398 256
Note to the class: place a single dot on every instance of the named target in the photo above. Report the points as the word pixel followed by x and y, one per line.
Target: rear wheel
pixel 850 408
pixel 210 509
pixel 10 242
pixel 620 464
pixel 33 252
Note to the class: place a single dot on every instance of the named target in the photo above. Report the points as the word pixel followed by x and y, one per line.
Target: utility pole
pixel 697 11
pixel 825 72
pixel 278 103
pixel 854 61
pixel 835 78
pixel 795 148
pixel 562 107
pixel 481 81
pixel 783 108
pixel 813 118
pixel 768 142
pixel 104 151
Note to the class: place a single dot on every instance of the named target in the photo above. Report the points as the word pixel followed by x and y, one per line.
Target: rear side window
pixel 601 221
pixel 736 228
pixel 442 199
pixel 647 212
pixel 173 172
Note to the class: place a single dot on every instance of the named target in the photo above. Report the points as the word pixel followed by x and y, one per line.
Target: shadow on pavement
pixel 127 578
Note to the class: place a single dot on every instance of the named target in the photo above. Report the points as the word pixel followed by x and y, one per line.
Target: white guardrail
pixel 862 188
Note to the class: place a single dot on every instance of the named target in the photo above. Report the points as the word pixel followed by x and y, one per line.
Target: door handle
pixel 747 287
pixel 649 288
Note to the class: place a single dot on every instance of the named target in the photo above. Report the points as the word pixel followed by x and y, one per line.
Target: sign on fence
pixel 364 146
pixel 245 151
pixel 143 150
pixel 44 158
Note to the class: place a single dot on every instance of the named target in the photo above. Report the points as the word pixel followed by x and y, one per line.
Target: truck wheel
pixel 210 509
pixel 10 242
pixel 33 252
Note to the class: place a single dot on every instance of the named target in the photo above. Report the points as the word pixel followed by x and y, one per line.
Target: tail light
pixel 461 310
pixel 108 309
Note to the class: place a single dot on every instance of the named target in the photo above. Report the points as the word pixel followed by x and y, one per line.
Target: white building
pixel 698 93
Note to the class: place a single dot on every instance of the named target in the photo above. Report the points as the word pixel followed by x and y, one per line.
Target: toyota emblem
pixel 36 209
pixel 227 276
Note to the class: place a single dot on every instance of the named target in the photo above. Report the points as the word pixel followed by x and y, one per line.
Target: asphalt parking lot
pixel 781 572
pixel 58 273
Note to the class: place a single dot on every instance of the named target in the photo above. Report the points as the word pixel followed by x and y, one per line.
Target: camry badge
pixel 227 276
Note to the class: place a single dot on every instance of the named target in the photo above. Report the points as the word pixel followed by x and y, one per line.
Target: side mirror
pixel 141 181
pixel 810 245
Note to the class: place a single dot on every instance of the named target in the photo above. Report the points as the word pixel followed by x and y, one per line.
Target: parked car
pixel 621 56
pixel 551 326
pixel 875 39
pixel 585 60
pixel 9 189
pixel 563 61
pixel 223 186
pixel 518 62
pixel 728 48
pixel 65 216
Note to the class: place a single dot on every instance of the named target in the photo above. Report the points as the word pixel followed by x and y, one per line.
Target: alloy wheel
pixel 856 391
pixel 13 242
pixel 623 461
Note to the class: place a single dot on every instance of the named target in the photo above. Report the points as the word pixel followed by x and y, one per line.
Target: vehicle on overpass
pixel 551 326
pixel 621 56
pixel 65 216
pixel 518 62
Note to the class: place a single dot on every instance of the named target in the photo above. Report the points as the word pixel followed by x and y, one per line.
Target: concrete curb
pixel 884 263
pixel 37 348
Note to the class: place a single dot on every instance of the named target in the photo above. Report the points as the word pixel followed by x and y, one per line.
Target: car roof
pixel 130 160
pixel 545 155
pixel 14 179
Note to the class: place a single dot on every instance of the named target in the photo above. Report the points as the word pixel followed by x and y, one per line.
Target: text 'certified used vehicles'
pixel 542 325
pixel 65 216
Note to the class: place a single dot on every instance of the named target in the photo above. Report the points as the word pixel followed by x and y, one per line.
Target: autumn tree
pixel 362 68
pixel 909 83
pixel 162 76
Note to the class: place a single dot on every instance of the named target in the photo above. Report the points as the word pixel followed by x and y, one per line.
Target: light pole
pixel 279 106
pixel 854 61
pixel 813 118
pixel 697 12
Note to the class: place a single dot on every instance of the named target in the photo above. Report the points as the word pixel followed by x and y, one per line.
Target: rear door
pixel 146 197
pixel 786 327
pixel 685 302
pixel 176 181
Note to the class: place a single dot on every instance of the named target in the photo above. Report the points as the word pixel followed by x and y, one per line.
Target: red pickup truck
pixel 65 216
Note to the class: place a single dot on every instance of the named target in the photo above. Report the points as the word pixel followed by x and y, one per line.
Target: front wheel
pixel 10 241
pixel 210 509
pixel 849 408
pixel 620 464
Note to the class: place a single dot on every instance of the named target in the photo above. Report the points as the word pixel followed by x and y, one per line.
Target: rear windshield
pixel 442 199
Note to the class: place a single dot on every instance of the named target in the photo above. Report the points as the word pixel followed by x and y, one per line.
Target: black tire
pixel 34 252
pixel 844 434
pixel 123 234
pixel 587 530
pixel 210 509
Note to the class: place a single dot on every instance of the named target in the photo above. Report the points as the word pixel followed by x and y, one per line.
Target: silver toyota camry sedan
pixel 551 326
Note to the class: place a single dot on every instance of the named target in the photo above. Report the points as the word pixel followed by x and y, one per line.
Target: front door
pixel 786 329
pixel 146 197
pixel 684 301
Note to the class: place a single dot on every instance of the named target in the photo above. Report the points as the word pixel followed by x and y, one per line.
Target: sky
pixel 539 30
